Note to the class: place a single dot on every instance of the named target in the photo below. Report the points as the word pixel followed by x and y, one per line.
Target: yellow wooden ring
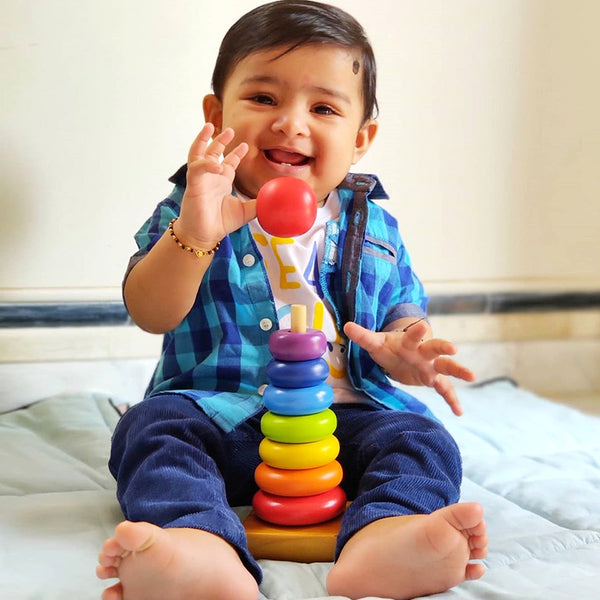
pixel 298 482
pixel 298 429
pixel 299 456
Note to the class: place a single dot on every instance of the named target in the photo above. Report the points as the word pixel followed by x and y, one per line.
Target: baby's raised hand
pixel 410 359
pixel 209 211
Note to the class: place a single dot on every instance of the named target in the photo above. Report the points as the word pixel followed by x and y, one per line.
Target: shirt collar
pixel 353 181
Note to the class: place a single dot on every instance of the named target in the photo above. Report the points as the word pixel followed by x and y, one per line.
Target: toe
pixel 474 571
pixel 464 516
pixel 478 553
pixel 111 547
pixel 114 592
pixel 479 530
pixel 106 572
pixel 136 537
pixel 107 560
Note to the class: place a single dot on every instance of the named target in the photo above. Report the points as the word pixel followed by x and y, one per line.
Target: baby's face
pixel 300 113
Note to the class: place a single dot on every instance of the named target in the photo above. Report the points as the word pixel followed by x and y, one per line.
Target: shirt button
pixel 266 324
pixel 248 260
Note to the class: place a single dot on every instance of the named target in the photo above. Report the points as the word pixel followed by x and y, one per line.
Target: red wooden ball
pixel 286 207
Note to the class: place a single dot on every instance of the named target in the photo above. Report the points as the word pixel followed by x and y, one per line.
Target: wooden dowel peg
pixel 298 318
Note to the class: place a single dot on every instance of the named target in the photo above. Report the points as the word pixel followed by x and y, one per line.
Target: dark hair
pixel 294 23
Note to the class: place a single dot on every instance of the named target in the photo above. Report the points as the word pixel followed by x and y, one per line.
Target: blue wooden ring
pixel 298 429
pixel 286 344
pixel 298 401
pixel 304 373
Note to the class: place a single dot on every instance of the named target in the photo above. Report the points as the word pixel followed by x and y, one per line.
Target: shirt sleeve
pixel 154 227
pixel 409 298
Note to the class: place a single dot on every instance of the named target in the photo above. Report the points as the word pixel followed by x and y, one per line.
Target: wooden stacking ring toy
pixel 298 401
pixel 299 456
pixel 298 482
pixel 298 429
pixel 305 510
pixel 304 373
pixel 288 345
pixel 299 478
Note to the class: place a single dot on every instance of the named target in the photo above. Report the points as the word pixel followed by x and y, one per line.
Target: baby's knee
pixel 389 427
pixel 402 436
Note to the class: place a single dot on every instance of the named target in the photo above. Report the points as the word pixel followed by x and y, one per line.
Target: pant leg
pixel 395 463
pixel 175 468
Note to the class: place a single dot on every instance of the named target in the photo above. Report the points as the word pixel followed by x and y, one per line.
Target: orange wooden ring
pixel 300 482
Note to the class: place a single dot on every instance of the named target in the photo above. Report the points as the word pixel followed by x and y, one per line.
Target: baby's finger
pixel 215 149
pixel 445 389
pixel 233 159
pixel 365 338
pixel 199 145
pixel 448 366
pixel 435 347
pixel 413 335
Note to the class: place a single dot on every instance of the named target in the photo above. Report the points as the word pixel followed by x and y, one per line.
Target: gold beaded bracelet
pixel 198 253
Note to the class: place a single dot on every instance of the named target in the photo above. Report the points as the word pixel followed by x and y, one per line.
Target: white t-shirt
pixel 293 269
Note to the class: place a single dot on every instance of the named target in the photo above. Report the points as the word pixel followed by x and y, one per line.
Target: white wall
pixel 489 141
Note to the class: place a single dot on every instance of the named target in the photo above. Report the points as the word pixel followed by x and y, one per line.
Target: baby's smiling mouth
pixel 284 157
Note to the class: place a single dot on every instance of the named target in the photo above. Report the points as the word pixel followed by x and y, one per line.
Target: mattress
pixel 534 465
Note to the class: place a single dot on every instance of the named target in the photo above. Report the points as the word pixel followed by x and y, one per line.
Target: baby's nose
pixel 292 122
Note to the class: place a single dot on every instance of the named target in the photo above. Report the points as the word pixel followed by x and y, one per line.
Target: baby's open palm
pixel 209 211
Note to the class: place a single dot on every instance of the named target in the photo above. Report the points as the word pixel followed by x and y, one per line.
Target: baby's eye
pixel 262 99
pixel 323 109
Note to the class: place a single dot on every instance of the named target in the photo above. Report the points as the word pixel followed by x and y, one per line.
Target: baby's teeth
pixel 286 164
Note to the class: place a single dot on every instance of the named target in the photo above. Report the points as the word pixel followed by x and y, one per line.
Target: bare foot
pixel 413 555
pixel 179 564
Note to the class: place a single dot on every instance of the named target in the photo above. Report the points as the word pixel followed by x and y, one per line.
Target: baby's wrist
pixel 198 247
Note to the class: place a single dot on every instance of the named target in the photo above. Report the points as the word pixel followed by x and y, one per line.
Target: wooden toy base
pixel 312 543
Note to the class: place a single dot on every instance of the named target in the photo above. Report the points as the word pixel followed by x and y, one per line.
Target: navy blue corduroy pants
pixel 175 468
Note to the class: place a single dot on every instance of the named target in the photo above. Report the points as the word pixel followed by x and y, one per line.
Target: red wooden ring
pixel 305 510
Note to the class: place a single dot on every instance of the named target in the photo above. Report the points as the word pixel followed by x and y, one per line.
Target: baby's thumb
pixel 365 338
pixel 249 208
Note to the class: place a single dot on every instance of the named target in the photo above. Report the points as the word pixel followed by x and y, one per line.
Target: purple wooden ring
pixel 286 344
pixel 296 374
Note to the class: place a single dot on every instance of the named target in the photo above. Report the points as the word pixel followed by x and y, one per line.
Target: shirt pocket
pixel 380 249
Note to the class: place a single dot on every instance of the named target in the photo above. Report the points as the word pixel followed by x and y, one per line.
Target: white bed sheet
pixel 533 464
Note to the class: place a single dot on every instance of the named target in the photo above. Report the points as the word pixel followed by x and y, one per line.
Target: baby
pixel 294 95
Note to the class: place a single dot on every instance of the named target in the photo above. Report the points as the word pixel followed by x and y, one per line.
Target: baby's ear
pixel 213 112
pixel 364 138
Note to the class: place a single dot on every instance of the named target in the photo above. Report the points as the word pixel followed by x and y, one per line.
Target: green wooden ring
pixel 298 429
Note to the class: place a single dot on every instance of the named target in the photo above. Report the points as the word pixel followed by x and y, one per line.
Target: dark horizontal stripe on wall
pixel 63 314
pixel 513 302
pixel 73 314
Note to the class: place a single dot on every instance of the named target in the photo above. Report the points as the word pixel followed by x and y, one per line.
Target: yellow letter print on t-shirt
pixel 284 270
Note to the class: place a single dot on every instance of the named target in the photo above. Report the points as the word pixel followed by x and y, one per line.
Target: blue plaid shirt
pixel 218 355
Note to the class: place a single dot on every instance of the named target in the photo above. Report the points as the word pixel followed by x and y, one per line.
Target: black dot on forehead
pixel 355 67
